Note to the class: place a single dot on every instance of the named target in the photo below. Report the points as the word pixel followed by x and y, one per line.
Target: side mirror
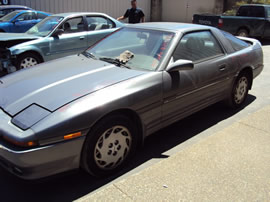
pixel 58 32
pixel 180 65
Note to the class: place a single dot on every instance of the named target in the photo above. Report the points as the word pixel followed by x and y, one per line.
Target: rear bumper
pixel 257 71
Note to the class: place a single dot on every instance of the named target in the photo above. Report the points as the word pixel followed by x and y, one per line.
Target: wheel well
pixel 1 30
pixel 249 72
pixel 134 117
pixel 35 53
pixel 245 28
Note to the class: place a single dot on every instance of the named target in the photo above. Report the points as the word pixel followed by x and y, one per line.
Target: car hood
pixel 16 36
pixel 56 83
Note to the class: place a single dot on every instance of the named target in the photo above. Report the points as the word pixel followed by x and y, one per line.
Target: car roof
pixel 78 14
pixel 264 5
pixel 170 26
pixel 13 6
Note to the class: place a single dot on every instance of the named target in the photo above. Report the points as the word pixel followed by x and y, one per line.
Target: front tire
pixel 109 146
pixel 239 91
pixel 27 60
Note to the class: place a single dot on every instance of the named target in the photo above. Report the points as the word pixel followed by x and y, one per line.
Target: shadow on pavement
pixel 74 185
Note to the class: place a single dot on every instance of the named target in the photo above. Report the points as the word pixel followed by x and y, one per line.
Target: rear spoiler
pixel 250 40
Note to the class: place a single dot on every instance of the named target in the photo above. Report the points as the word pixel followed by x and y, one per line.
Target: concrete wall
pixel 114 8
pixel 183 10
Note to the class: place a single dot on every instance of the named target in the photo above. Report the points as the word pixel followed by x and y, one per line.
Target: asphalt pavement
pixel 215 155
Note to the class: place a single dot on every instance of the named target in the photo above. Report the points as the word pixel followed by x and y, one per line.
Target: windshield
pixel 9 16
pixel 144 48
pixel 46 26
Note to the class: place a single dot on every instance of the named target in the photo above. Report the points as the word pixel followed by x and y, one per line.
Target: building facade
pixel 155 10
pixel 114 8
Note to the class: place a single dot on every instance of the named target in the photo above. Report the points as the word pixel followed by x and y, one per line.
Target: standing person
pixel 134 14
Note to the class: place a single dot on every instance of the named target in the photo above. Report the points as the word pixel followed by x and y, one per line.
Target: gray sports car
pixel 56 36
pixel 94 109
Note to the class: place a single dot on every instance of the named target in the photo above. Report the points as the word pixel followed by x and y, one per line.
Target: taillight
pixel 220 23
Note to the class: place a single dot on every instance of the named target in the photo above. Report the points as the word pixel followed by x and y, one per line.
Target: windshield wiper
pixel 115 61
pixel 88 55
pixel 122 60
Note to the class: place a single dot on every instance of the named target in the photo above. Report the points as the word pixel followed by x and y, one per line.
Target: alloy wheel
pixel 28 62
pixel 112 147
pixel 241 90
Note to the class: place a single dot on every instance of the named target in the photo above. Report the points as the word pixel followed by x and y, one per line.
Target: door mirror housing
pixel 58 32
pixel 180 65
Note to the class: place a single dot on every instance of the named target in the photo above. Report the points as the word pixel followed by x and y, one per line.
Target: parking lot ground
pixel 230 165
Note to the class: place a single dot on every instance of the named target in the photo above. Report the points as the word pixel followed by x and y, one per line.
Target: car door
pixel 98 27
pixel 190 90
pixel 24 22
pixel 72 41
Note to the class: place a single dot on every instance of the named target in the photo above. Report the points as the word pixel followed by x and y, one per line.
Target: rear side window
pixel 98 23
pixel 251 11
pixel 268 12
pixel 197 46
pixel 41 16
pixel 236 43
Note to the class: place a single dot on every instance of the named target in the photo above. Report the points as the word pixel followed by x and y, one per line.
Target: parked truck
pixel 251 20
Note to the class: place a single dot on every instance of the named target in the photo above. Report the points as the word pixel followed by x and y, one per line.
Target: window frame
pixel 34 16
pixel 231 42
pixel 221 46
pixel 70 18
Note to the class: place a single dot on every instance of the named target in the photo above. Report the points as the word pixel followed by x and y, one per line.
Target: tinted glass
pixel 236 43
pixel 98 23
pixel 41 16
pixel 26 16
pixel 251 11
pixel 197 46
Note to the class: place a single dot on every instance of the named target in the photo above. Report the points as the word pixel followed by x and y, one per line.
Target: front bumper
pixel 37 162
pixel 44 161
pixel 6 63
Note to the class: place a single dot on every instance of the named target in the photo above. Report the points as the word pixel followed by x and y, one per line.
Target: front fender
pixel 142 95
pixel 19 49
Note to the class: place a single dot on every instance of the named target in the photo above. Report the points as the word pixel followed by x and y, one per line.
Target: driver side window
pixel 26 16
pixel 73 25
pixel 197 46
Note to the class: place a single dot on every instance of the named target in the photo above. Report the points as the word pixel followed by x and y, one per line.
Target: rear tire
pixel 109 146
pixel 242 32
pixel 239 91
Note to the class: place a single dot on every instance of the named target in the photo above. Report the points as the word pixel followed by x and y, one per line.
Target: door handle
pixel 82 38
pixel 222 67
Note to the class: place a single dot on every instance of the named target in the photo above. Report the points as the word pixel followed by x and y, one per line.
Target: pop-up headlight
pixel 30 116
